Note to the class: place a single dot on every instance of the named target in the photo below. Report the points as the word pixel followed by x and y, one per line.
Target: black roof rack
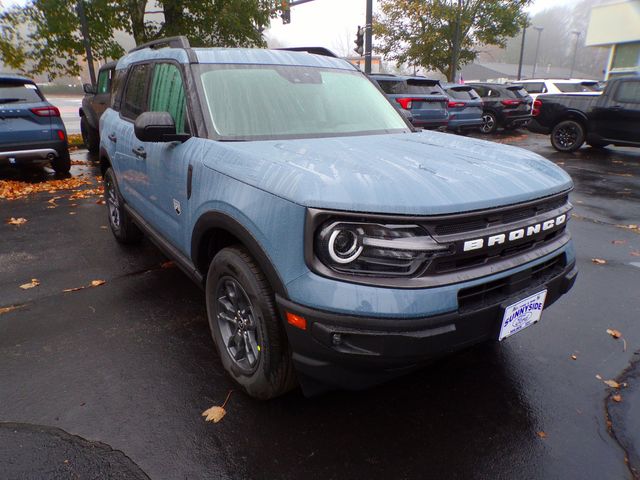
pixel 171 42
pixel 325 52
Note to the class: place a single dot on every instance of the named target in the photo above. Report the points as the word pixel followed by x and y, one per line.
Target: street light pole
pixel 535 59
pixel 524 32
pixel 368 38
pixel 456 44
pixel 575 51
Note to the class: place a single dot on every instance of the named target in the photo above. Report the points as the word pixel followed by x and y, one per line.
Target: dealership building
pixel 616 25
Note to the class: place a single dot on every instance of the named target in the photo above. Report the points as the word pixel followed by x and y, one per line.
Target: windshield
pixel 577 87
pixel 18 92
pixel 263 102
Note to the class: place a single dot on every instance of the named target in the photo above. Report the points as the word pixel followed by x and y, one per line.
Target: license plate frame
pixel 522 314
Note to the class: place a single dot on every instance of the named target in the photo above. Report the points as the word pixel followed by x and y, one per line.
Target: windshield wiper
pixel 11 100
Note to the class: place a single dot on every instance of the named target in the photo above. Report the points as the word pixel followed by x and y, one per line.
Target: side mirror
pixel 89 89
pixel 157 127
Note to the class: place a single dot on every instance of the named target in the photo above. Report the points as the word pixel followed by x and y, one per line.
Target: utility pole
pixel 575 51
pixel 456 44
pixel 535 59
pixel 84 28
pixel 368 38
pixel 524 32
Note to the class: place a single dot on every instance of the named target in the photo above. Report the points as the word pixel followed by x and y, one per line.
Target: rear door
pixel 168 164
pixel 620 119
pixel 24 114
pixel 134 179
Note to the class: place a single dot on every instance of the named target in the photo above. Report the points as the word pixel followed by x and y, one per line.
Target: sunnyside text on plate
pixel 520 315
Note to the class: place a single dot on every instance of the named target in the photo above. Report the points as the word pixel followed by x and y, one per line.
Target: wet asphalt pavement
pixel 111 381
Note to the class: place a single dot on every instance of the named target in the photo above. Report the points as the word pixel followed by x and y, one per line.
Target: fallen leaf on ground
pixel 614 333
pixel 9 308
pixel 168 264
pixel 599 261
pixel 616 398
pixel 612 383
pixel 72 213
pixel 97 283
pixel 33 283
pixel 598 377
pixel 635 253
pixel 542 435
pixel 13 189
pixel 573 357
pixel 101 202
pixel 17 221
pixel 214 414
pixel 104 227
pixel 73 289
pixel 618 242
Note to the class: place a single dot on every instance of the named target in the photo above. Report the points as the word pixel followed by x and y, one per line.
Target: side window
pixel 481 90
pixel 628 92
pixel 135 94
pixel 104 81
pixel 167 94
pixel 494 93
pixel 537 87
pixel 117 87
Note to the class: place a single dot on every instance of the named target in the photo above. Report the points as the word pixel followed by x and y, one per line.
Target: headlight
pixel 375 249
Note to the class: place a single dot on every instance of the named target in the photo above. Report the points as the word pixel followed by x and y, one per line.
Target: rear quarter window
pixel 19 92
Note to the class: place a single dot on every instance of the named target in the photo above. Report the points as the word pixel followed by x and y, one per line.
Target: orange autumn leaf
pixel 617 398
pixel 17 221
pixel 614 333
pixel 10 308
pixel 542 434
pixel 97 283
pixel 598 261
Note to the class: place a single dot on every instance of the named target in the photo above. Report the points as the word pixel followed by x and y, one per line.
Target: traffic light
pixel 286 12
pixel 359 41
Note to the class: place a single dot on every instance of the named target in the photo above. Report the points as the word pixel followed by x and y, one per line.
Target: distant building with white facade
pixel 617 26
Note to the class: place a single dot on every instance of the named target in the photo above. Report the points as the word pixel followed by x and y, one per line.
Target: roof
pixel 390 76
pixel 254 56
pixel 13 76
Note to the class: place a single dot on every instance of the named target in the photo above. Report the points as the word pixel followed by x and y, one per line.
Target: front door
pixel 168 163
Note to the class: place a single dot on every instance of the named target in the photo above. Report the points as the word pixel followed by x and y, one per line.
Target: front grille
pixel 487 219
pixel 492 293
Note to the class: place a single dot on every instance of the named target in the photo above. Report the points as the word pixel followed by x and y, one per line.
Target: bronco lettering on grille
pixel 514 235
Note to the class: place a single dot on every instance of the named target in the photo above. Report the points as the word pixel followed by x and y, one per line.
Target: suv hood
pixel 422 173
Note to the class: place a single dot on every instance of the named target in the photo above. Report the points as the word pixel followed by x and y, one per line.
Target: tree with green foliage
pixel 44 36
pixel 443 34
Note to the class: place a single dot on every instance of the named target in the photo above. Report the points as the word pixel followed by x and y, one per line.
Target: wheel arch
pixel 214 231
pixel 576 116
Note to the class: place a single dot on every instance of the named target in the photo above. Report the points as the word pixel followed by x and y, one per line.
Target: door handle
pixel 139 152
pixel 112 137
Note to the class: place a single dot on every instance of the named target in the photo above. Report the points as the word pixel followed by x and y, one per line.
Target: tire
pixel 62 164
pixel 121 224
pixel 90 136
pixel 567 136
pixel 246 327
pixel 489 123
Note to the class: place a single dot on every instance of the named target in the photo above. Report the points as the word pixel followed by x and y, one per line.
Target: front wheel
pixel 489 123
pixel 245 325
pixel 567 136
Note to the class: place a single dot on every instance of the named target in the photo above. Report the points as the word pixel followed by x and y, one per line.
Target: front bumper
pixel 33 153
pixel 354 352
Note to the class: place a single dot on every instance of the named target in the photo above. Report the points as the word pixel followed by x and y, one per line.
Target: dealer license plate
pixel 521 314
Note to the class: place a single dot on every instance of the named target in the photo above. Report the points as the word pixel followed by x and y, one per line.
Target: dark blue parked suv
pixel 422 97
pixel 336 245
pixel 31 130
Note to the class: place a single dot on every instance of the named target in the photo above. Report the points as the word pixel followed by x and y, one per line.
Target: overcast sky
pixel 329 23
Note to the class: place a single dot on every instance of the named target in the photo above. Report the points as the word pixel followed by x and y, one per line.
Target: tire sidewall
pixel 575 145
pixel 259 383
pixel 495 123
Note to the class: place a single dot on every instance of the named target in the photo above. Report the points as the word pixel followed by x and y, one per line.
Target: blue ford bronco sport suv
pixel 337 246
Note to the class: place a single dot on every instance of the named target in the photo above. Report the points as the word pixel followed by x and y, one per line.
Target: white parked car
pixel 574 86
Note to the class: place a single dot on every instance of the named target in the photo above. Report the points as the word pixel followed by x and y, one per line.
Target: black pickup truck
pixel 610 118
